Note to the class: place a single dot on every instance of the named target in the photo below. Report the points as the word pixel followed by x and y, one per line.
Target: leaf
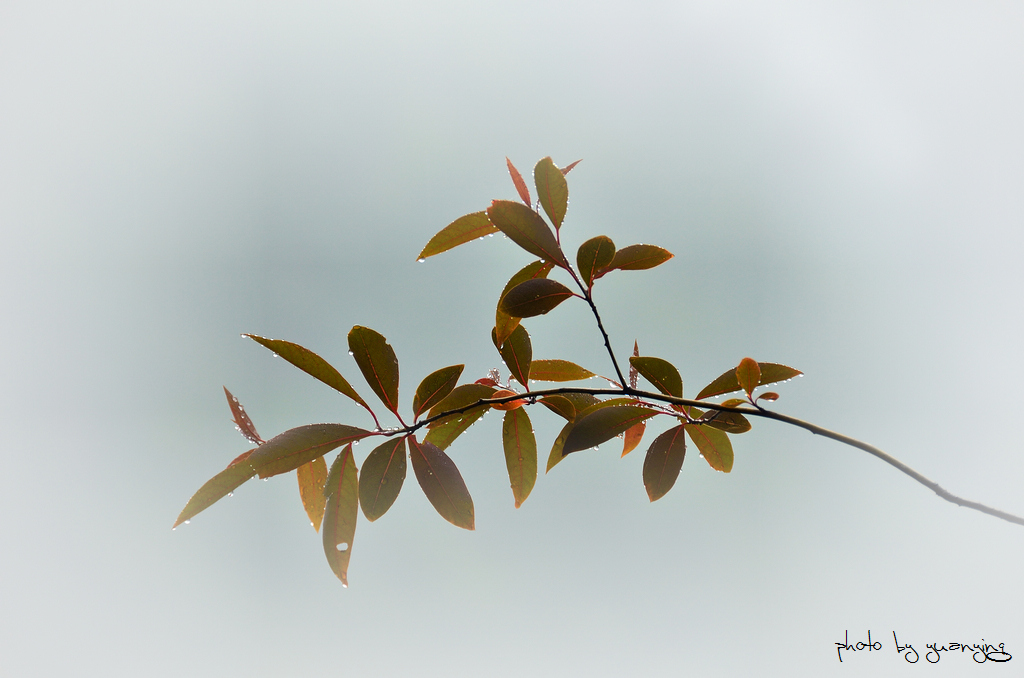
pixel 602 423
pixel 568 405
pixel 462 230
pixel 460 397
pixel 435 387
pixel 313 365
pixel 444 434
pixel 312 475
pixel 222 484
pixel 637 258
pixel 382 478
pixel 661 373
pixel 727 382
pixel 378 363
pixel 517 352
pixel 568 168
pixel 552 190
pixel 242 421
pixel 442 483
pixel 770 396
pixel 734 402
pixel 730 422
pixel 633 436
pixel 341 513
pixel 293 448
pixel 517 179
pixel 527 229
pixel 593 256
pixel 663 461
pixel 632 370
pixel 520 453
pixel 556 455
pixel 714 445
pixel 503 322
pixel 748 375
pixel 508 404
pixel 534 297
pixel 558 370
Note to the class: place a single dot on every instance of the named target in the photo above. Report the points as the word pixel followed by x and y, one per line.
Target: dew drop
pixel 420 261
pixel 343 546
pixel 231 494
pixel 351 353
pixel 187 522
pixel 312 525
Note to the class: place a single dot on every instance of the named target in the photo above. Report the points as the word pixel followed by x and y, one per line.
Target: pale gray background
pixel 841 184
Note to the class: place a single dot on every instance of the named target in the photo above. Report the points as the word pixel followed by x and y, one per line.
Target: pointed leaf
pixel 382 477
pixel 313 365
pixel 637 258
pixel 222 484
pixel 460 397
pixel 556 455
pixel 517 179
pixel 633 436
pixel 663 462
pixel 734 402
pixel 713 444
pixel 464 229
pixel 602 423
pixel 727 382
pixel 450 428
pixel 442 483
pixel 292 449
pixel 568 168
pixel 730 422
pixel 558 370
pixel 503 322
pixel 312 475
pixel 661 373
pixel 534 297
pixel 552 190
pixel 748 375
pixel 502 393
pixel 527 229
pixel 378 363
pixel 242 421
pixel 632 370
pixel 770 396
pixel 594 256
pixel 341 513
pixel 520 453
pixel 569 405
pixel 517 352
pixel 435 387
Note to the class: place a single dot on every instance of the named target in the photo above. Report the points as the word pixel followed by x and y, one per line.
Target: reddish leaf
pixel 382 477
pixel 552 190
pixel 507 404
pixel 602 423
pixel 770 396
pixel 558 370
pixel 663 462
pixel 503 322
pixel 568 168
pixel 534 297
pixel 462 230
pixel 637 258
pixel 242 421
pixel 312 475
pixel 727 383
pixel 661 373
pixel 527 229
pixel 520 453
pixel 435 387
pixel 517 352
pixel 222 484
pixel 633 436
pixel 313 365
pixel 714 446
pixel 556 455
pixel 292 449
pixel 632 370
pixel 442 483
pixel 341 513
pixel 748 375
pixel 734 402
pixel 593 256
pixel 378 363
pixel 517 179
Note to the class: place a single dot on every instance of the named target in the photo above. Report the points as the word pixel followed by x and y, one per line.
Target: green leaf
pixel 461 396
pixel 637 258
pixel 378 363
pixel 568 405
pixel 556 455
pixel 727 383
pixel 435 387
pixel 594 256
pixel 464 229
pixel 527 229
pixel 222 484
pixel 293 448
pixel 520 453
pixel 517 352
pixel 663 462
pixel 534 297
pixel 734 402
pixel 341 513
pixel 242 421
pixel 558 370
pixel 450 428
pixel 714 445
pixel 382 478
pixel 632 437
pixel 730 422
pixel 517 179
pixel 552 190
pixel 748 375
pixel 313 365
pixel 602 423
pixel 503 322
pixel 442 483
pixel 312 475
pixel 661 373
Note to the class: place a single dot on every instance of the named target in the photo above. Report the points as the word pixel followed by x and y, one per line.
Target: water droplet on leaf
pixel 343 546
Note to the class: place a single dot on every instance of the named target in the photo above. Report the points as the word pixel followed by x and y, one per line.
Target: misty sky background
pixel 841 185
